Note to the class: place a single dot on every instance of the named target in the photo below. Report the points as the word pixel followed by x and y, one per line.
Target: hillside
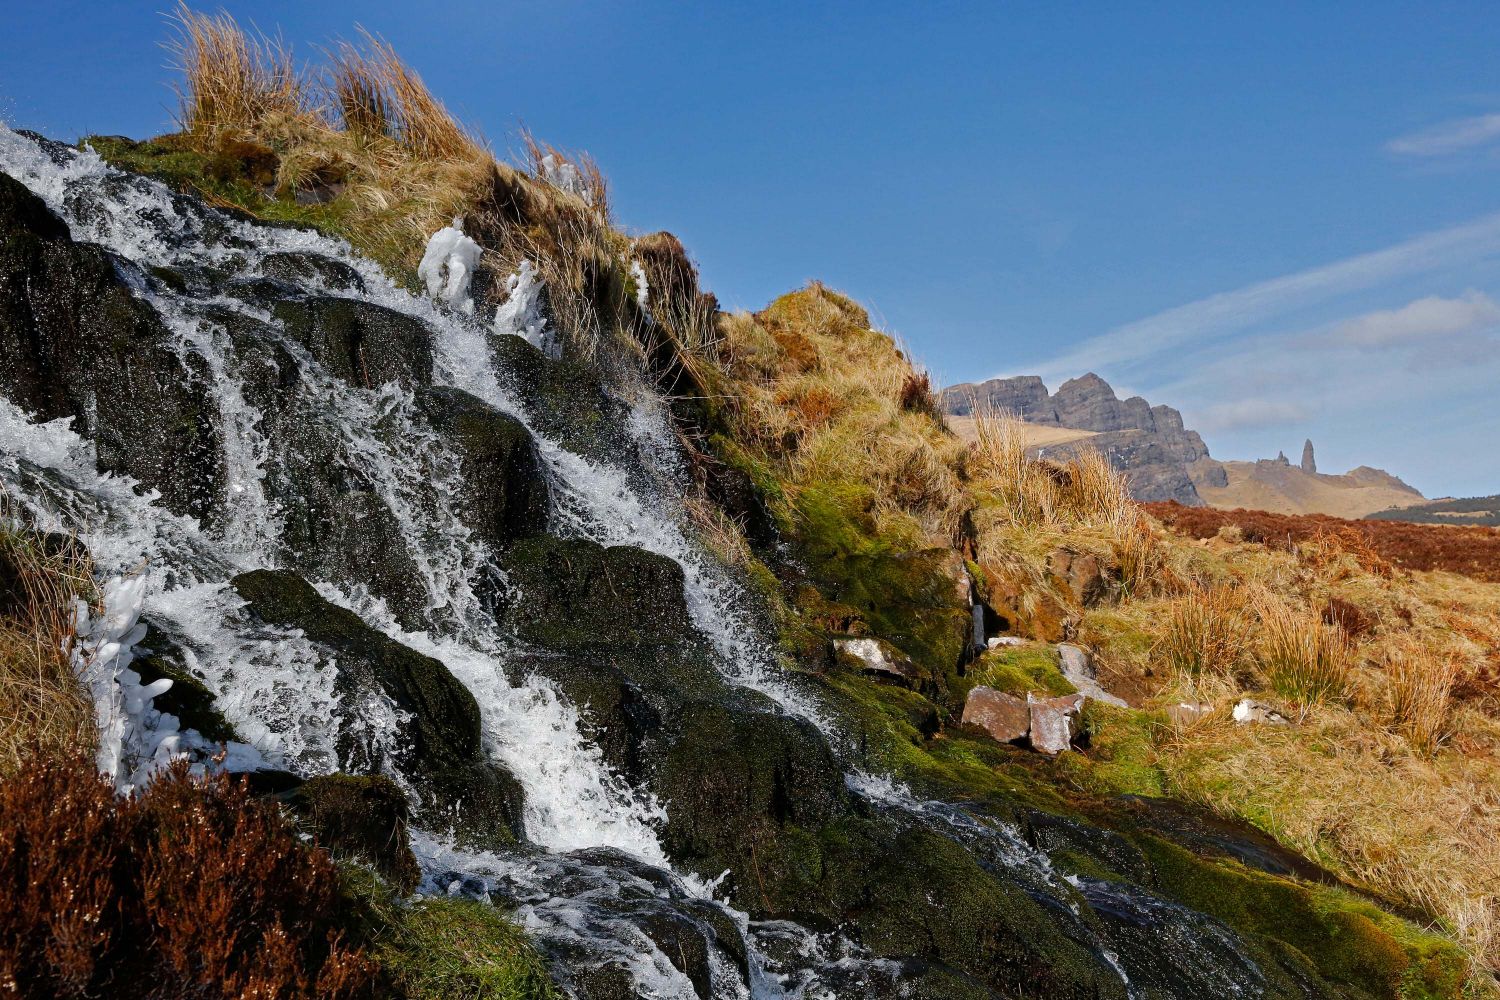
pixel 1286 489
pixel 1468 511
pixel 413 585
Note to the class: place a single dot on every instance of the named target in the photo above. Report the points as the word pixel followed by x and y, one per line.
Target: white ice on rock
pixel 448 266
pixel 135 739
pixel 521 314
pixel 562 175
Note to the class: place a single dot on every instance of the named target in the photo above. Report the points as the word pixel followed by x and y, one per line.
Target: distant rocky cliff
pixel 1160 458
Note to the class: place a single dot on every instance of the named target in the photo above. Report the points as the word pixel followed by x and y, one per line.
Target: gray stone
pixel 1309 463
pixel 876 656
pixel 1248 710
pixel 1052 722
pixel 1078 667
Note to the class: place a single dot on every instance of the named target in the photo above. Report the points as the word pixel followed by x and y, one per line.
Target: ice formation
pixel 448 266
pixel 561 174
pixel 642 287
pixel 134 737
pixel 521 315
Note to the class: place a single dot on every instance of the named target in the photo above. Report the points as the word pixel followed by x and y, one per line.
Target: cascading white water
pixel 272 688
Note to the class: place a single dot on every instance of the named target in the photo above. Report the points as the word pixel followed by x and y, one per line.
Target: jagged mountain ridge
pixel 1163 460
pixel 1148 443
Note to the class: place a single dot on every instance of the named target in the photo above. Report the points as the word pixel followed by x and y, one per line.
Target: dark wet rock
pixel 565 400
pixel 439 733
pixel 362 817
pixel 505 493
pixel 618 715
pixel 738 786
pixel 620 605
pixel 304 269
pixel 75 342
pixel 361 343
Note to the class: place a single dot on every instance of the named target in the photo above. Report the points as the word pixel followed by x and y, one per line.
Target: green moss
pixel 1121 757
pixel 1349 940
pixel 242 177
pixel 447 949
pixel 1021 669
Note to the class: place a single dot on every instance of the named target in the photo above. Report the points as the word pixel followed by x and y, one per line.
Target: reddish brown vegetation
pixel 1474 552
pixel 190 889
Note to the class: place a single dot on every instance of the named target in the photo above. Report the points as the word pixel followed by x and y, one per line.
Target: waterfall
pixel 592 840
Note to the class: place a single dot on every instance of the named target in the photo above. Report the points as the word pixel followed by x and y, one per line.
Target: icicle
pixel 642 288
pixel 135 739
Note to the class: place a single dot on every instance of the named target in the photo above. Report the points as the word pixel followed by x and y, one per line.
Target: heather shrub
pixel 191 889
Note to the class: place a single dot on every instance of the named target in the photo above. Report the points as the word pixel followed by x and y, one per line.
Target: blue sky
pixel 1283 219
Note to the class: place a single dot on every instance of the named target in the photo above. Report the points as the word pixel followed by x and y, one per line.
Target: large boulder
pixel 505 494
pixel 438 739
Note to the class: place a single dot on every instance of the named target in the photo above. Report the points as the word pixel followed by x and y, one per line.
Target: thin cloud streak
pixel 1231 312
pixel 1448 137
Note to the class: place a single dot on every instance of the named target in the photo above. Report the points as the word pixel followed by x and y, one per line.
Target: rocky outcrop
pixel 1148 443
pixel 1309 463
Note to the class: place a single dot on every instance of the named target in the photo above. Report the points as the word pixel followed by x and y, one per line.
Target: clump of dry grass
pixel 43 707
pixel 380 96
pixel 1085 491
pixel 1204 634
pixel 1420 685
pixel 232 81
pixel 1303 658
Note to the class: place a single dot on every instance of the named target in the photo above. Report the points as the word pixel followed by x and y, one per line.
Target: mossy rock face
pixel 363 817
pixel 1350 942
pixel 928 898
pixel 361 343
pixel 1021 670
pixel 733 782
pixel 74 342
pixel 439 742
pixel 188 698
pixel 505 494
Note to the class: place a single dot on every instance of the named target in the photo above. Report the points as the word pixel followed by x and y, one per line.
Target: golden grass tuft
pixel 232 81
pixel 43 707
pixel 380 96
pixel 1420 686
pixel 1204 634
pixel 1303 658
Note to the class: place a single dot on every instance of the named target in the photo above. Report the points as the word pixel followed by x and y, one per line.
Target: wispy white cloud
pixel 1245 414
pixel 1229 313
pixel 1448 137
pixel 1424 319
